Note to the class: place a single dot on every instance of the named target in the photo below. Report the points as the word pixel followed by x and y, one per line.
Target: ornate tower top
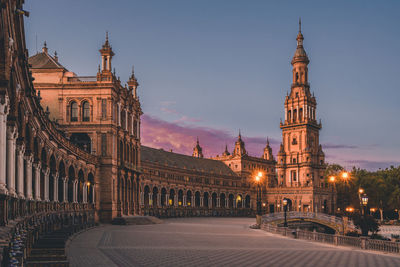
pixel 106 55
pixel 239 150
pixel 268 152
pixel 44 49
pixel 300 55
pixel 226 152
pixel 133 83
pixel 197 150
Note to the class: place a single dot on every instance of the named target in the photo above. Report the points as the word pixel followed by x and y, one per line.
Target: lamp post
pixel 285 202
pixel 345 177
pixel 258 212
pixel 332 180
pixel 364 201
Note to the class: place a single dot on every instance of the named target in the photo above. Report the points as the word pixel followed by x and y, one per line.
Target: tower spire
pixel 299 24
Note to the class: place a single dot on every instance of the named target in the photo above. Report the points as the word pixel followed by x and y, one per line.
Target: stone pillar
pixel 37 167
pixel 141 198
pixel 184 201
pixel 159 200
pixel 243 204
pixel 28 168
pixel 201 201
pixel 218 202
pixel 210 204
pixel 167 200
pixel 150 199
pixel 46 173
pixel 234 203
pixel 20 170
pixel 4 107
pixel 11 148
pixel 75 191
pixel 84 189
pixel 176 200
pixel 65 189
pixel 55 187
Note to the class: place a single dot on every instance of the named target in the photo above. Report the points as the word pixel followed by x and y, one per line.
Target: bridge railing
pixel 338 240
pixel 309 215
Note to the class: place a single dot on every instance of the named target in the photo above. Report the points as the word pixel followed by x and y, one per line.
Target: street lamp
pixel 285 202
pixel 364 202
pixel 258 181
pixel 332 180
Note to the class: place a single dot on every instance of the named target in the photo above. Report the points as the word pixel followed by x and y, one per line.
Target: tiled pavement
pixel 209 242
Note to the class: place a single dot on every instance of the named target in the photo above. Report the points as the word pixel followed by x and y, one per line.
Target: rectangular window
pixel 104 108
pixel 103 144
pixel 294 178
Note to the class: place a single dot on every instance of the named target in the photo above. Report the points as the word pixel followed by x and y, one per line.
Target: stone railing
pixel 173 212
pixel 329 219
pixel 337 240
pixel 19 235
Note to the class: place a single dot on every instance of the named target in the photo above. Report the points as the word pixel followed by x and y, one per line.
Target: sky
pixel 208 68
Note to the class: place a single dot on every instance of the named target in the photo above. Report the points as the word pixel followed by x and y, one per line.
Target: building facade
pixel 101 116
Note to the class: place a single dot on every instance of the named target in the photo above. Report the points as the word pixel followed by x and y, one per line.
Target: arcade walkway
pixel 209 242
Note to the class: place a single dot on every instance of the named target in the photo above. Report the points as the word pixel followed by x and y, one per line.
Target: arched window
pixel 74 111
pixel 297 76
pixel 85 111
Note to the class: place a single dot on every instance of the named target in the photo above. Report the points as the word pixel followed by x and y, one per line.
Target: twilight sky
pixel 208 68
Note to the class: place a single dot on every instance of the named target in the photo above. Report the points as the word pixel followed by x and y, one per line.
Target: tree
pixel 366 223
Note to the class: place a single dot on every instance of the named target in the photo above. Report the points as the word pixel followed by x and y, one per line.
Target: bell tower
pixel 239 149
pixel 106 56
pixel 300 158
pixel 197 150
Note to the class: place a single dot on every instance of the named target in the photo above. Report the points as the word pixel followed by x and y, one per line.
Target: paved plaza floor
pixel 209 242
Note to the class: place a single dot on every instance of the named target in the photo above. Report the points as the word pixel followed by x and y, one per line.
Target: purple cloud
pixel 181 138
pixel 338 146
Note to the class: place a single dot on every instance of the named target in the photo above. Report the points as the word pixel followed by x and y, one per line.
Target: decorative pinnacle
pixel 45 44
pixel 300 24
pixel 267 141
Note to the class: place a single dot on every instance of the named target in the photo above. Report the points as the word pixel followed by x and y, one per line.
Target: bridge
pixel 340 225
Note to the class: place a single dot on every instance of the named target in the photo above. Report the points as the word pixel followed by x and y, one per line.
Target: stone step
pixel 61 263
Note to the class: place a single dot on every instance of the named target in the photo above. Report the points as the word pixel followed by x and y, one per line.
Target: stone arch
pixel 171 199
pixel 231 201
pixel 163 196
pixel 180 197
pixel 155 196
pixel 205 201
pixel 52 176
pixel 247 202
pixel 189 198
pixel 81 182
pixel 146 191
pixel 61 177
pixel 214 200
pixel 197 199
pixel 71 181
pixel 222 200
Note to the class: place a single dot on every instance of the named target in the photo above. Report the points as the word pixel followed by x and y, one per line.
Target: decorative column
pixel 55 187
pixel 37 167
pixel 159 200
pixel 184 201
pixel 28 169
pixel 210 204
pixel 11 148
pixel 84 189
pixel 218 202
pixel 201 201
pixel 65 189
pixel 167 200
pixel 46 173
pixel 141 198
pixel 234 203
pixel 20 170
pixel 243 204
pixel 176 200
pixel 4 107
pixel 150 199
pixel 75 191
pixel 227 202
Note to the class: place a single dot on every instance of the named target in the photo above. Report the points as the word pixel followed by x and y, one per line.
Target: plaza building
pixel 181 185
pixel 102 117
